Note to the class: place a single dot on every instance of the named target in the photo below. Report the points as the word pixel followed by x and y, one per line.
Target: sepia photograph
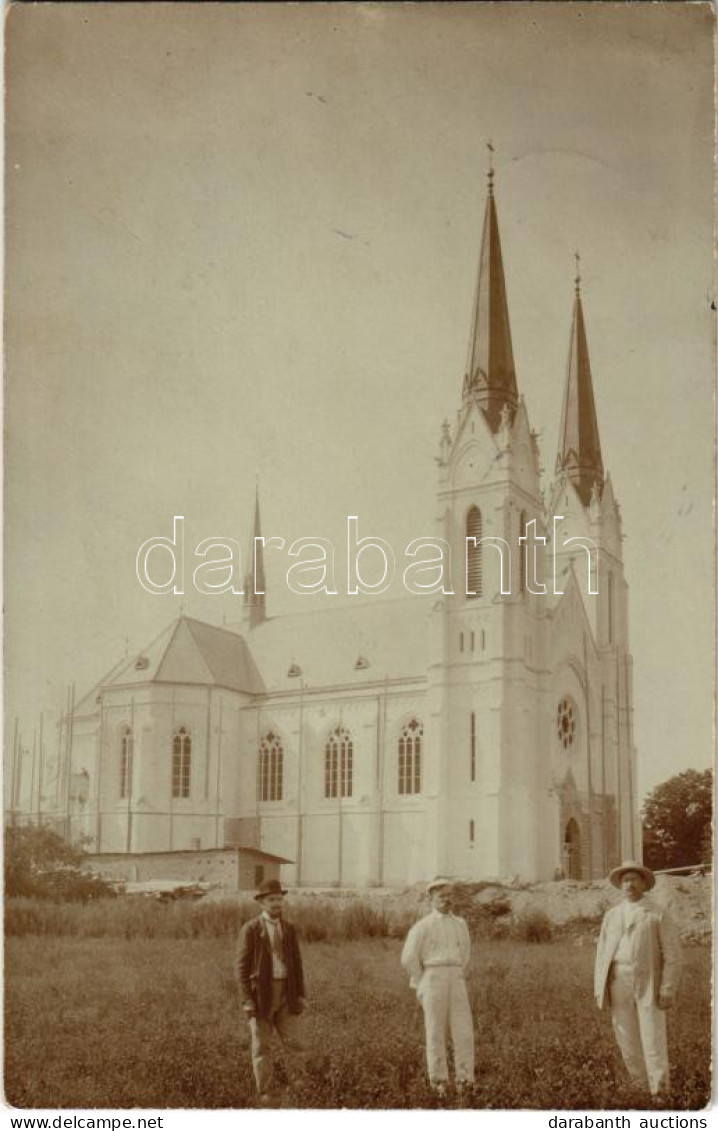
pixel 359 564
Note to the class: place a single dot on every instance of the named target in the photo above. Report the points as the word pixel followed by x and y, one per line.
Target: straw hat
pixel 439 882
pixel 616 876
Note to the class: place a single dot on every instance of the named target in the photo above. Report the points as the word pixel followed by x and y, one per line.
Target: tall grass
pixel 318 920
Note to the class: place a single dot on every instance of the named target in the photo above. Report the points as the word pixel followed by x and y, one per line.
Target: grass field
pixel 111 1022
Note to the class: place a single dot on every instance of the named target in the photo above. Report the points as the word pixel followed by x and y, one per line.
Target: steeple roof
pixel 254 584
pixel 490 372
pixel 579 447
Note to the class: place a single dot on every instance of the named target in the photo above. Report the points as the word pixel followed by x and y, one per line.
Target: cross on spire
pixel 577 280
pixel 491 149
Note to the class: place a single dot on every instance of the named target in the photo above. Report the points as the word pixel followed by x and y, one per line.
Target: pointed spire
pixel 579 447
pixel 255 607
pixel 490 372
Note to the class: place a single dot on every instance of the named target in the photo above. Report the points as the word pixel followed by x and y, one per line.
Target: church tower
pixel 485 676
pixel 593 761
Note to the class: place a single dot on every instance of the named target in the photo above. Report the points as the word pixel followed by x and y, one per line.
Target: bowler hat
pixel 270 887
pixel 617 874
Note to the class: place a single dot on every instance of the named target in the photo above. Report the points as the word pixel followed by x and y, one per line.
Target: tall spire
pixel 579 448
pixel 255 608
pixel 490 373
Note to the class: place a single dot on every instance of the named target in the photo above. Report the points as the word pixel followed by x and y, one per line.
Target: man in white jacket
pixel 638 967
pixel 436 957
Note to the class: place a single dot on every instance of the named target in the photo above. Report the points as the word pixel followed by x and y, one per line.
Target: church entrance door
pixel 572 850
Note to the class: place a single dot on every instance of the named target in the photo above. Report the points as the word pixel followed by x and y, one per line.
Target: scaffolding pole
pixel 40 769
pixel 219 777
pixel 130 774
pixel 300 787
pixel 31 799
pixel 14 771
pixel 68 766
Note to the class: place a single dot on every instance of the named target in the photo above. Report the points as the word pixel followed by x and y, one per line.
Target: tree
pixel 42 864
pixel 677 817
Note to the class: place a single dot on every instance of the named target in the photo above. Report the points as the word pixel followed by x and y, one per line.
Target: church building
pixel 475 733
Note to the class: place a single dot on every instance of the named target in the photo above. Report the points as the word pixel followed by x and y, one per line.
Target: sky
pixel 241 242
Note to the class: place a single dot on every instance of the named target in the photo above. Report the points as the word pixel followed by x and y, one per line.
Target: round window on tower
pixel 566 722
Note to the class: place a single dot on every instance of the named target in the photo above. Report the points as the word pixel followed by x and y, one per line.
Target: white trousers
pixel 640 1032
pixel 442 993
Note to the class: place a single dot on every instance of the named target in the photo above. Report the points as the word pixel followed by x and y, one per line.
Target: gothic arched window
pixel 271 768
pixel 474 558
pixel 338 764
pixel 126 744
pixel 410 741
pixel 181 762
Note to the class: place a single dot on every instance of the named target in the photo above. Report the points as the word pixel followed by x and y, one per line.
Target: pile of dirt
pixel 571 905
pixel 577 904
pixel 689 899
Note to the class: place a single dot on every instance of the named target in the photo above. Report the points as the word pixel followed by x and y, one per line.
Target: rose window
pixel 566 720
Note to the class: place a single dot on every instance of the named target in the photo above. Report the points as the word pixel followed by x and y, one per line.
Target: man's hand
pixel 665 1001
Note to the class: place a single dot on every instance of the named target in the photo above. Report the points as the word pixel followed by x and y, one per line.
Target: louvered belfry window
pixel 523 551
pixel 474 554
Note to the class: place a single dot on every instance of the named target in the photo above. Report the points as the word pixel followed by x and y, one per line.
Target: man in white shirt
pixel 637 967
pixel 436 957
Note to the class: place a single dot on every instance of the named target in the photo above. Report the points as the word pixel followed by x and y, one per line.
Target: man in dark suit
pixel 271 982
